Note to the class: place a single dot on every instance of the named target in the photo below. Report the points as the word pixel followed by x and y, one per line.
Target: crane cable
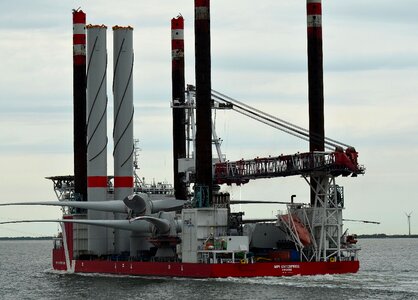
pixel 268 119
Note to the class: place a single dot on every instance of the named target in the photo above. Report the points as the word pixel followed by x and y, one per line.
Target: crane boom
pixel 338 159
pixel 335 163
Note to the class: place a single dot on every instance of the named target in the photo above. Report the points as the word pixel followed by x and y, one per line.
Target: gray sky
pixel 258 57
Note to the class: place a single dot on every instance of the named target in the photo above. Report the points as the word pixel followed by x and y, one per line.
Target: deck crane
pixel 323 217
pixel 341 159
pixel 336 162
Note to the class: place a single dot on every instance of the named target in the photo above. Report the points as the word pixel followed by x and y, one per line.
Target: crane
pixel 335 162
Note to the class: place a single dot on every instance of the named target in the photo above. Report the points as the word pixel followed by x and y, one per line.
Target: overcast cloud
pixel 259 57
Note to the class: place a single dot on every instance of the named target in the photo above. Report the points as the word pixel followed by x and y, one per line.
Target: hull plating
pixel 200 270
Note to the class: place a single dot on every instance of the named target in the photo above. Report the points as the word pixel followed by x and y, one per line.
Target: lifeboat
pixel 301 230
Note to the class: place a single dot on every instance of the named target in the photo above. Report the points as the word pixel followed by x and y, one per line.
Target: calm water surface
pixel 389 270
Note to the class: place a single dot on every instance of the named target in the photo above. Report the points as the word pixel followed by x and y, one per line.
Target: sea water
pixel 388 270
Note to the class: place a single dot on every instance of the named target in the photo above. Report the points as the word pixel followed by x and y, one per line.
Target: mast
pixel 178 99
pixel 203 185
pixel 315 82
pixel 79 105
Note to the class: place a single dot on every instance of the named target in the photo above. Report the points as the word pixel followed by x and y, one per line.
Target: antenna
pixel 409 222
pixel 137 149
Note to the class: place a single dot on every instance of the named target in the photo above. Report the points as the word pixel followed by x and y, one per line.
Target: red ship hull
pixel 201 270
